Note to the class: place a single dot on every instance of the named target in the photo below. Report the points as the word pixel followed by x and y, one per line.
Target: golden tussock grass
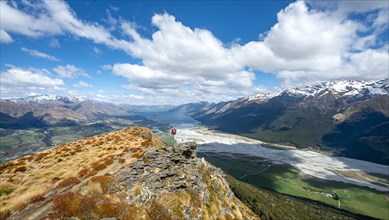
pixel 20 169
pixel 33 176
pixel 146 160
pixel 69 182
pixel 73 204
pixel 107 183
pixel 138 154
pixel 5 214
pixel 98 166
pixel 158 211
pixel 67 203
pixel 38 198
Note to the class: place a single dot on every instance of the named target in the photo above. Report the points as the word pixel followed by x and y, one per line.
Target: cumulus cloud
pixel 38 54
pixel 307 46
pixel 50 18
pixel 82 84
pixel 69 71
pixel 17 21
pixel 4 37
pixel 180 58
pixel 310 42
pixel 20 82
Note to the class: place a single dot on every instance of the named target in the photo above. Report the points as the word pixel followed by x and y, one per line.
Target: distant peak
pixel 46 97
pixel 339 87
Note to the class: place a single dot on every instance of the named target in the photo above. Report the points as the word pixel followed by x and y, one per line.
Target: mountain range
pixel 348 118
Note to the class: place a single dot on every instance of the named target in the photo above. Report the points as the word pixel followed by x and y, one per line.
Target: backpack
pixel 173 131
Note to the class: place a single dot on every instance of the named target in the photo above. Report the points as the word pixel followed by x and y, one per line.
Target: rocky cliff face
pixel 127 174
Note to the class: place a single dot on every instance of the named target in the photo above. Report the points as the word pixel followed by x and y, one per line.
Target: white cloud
pixel 16 21
pixel 38 54
pixel 305 46
pixel 309 43
pixel 69 71
pixel 106 67
pixel 82 84
pixel 20 82
pixel 97 51
pixel 4 37
pixel 54 43
pixel 180 59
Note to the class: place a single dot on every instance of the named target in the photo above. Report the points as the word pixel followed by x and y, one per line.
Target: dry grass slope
pixel 40 177
pixel 78 180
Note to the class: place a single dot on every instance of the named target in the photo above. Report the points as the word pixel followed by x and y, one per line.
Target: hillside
pixel 128 174
pixel 32 124
pixel 271 205
pixel 347 118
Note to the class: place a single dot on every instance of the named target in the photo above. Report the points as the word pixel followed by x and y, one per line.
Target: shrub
pixel 20 169
pixel 99 166
pixel 158 211
pixel 108 161
pixel 37 198
pixel 6 188
pixel 21 206
pixel 146 143
pixel 137 155
pixel 83 172
pixel 5 214
pixel 40 156
pixel 55 179
pixel 108 183
pixel 68 203
pixel 3 167
pixel 146 160
pixel 69 181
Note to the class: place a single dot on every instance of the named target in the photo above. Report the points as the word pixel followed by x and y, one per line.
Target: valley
pixel 299 173
pixel 330 154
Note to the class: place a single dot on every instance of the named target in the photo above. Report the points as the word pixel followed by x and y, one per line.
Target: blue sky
pixel 173 52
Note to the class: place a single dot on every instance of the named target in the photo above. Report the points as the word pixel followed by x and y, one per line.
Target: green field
pixel 288 180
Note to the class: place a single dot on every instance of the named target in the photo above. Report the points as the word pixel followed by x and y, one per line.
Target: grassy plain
pixel 290 181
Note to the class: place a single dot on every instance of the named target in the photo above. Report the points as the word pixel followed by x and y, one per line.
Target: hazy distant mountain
pixel 349 117
pixel 49 109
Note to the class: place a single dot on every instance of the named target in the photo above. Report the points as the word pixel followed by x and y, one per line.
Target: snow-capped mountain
pixel 341 88
pixel 351 118
pixel 41 98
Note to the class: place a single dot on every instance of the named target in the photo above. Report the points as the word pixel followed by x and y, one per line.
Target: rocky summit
pixel 128 174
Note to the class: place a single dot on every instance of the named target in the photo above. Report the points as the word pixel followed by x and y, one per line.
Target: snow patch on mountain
pixel 349 88
pixel 42 98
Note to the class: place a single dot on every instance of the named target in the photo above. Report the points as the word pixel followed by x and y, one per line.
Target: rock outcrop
pixel 128 174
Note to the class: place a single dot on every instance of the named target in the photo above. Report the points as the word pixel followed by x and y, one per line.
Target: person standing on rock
pixel 173 132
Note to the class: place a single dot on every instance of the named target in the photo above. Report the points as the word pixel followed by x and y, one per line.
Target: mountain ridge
pixel 346 118
pixel 127 174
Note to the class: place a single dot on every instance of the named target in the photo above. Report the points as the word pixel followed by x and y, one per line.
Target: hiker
pixel 173 131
